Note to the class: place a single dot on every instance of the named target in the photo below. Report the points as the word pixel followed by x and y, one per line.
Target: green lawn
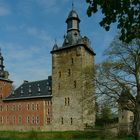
pixel 68 135
pixel 64 139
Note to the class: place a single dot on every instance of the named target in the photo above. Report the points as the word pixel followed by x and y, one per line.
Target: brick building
pixel 64 101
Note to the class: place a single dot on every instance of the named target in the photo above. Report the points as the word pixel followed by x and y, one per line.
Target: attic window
pixel 12 93
pixel 47 83
pixel 38 86
pixel 21 90
pixel 49 88
pixel 30 89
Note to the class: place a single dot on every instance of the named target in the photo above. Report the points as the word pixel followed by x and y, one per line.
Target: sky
pixel 29 28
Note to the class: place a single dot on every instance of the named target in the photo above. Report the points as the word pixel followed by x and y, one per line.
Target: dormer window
pixel 21 91
pixel 47 83
pixel 38 86
pixel 30 91
pixel 12 93
pixel 49 88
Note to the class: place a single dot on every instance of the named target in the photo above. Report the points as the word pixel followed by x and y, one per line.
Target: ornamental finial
pixel 72 5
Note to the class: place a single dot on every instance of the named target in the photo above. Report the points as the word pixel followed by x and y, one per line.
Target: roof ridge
pixel 35 81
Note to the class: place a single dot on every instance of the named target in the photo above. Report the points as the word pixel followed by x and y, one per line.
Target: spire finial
pixel 72 5
pixel 55 40
pixel 0 50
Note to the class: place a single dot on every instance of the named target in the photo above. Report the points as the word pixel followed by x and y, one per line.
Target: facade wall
pixel 88 75
pixel 25 115
pixel 69 91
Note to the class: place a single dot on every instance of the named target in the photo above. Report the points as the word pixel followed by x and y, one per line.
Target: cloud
pixel 41 34
pixel 26 7
pixel 4 11
pixel 26 63
pixel 51 6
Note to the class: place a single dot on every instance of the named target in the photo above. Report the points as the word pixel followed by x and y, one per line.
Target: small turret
pixel 3 74
pixel 1 62
pixel 73 31
pixel 55 47
pixel 73 21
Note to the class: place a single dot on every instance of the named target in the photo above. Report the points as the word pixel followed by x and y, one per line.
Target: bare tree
pixel 119 72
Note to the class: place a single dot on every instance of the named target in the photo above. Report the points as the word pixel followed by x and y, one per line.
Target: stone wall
pixel 70 97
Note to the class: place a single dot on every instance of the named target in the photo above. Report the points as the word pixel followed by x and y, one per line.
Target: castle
pixel 64 101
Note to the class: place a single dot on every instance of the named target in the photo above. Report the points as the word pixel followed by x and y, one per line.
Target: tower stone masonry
pixel 72 80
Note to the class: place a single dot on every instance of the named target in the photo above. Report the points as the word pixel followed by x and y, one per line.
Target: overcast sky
pixel 28 29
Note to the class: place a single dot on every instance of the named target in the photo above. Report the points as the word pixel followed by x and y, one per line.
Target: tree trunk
pixel 136 122
pixel 136 125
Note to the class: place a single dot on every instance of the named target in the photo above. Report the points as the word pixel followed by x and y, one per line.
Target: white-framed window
pixel 28 119
pixel 33 120
pixel 28 106
pixel 19 107
pixel 37 106
pixel 33 106
pixel 1 119
pixel 37 119
pixel 48 120
pixel 14 119
pixel 7 119
pixel 20 120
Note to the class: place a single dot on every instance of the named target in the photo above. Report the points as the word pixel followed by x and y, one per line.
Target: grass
pixel 63 139
pixel 68 135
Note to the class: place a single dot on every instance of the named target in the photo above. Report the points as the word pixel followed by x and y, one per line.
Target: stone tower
pixel 5 83
pixel 72 80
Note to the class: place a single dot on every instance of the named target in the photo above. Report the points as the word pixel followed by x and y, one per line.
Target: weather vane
pixel 55 41
pixel 72 4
